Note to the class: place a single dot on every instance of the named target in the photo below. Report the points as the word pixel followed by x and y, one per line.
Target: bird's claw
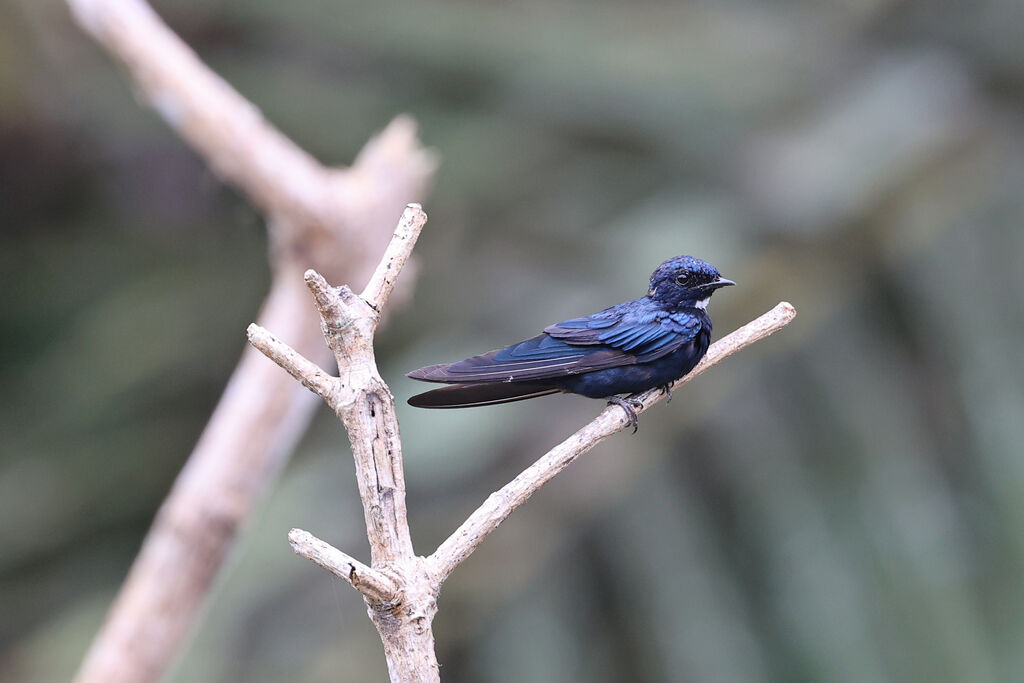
pixel 630 406
pixel 667 389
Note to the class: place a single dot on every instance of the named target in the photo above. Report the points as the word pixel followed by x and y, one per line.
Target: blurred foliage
pixel 844 502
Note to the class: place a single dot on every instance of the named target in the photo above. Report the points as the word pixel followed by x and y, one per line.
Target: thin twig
pixel 378 289
pixel 308 373
pixel 500 504
pixel 371 583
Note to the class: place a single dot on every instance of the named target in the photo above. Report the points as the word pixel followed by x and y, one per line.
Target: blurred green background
pixel 842 502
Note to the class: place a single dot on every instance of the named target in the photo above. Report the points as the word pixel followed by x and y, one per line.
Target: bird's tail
pixel 480 394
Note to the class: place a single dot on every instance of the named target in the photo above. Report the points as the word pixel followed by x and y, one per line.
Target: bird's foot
pixel 630 405
pixel 667 389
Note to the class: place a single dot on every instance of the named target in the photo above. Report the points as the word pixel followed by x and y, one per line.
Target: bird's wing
pixel 611 338
pixel 645 334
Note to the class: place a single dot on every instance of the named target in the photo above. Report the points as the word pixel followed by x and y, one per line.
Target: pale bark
pixel 501 503
pixel 401 588
pixel 334 219
pixel 364 404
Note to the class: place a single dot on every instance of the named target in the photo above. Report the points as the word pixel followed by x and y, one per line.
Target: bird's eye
pixel 682 279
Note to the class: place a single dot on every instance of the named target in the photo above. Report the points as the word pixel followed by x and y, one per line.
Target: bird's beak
pixel 720 282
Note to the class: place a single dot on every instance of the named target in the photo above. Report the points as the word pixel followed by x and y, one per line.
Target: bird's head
pixel 685 281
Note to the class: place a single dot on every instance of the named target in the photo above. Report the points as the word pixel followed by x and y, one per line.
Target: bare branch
pixel 378 289
pixel 400 592
pixel 370 582
pixel 311 375
pixel 404 609
pixel 228 130
pixel 366 407
pixel 221 124
pixel 334 219
pixel 500 504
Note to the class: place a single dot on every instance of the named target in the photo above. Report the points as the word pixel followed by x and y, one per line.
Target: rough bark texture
pixel 335 219
pixel 364 404
pixel 401 588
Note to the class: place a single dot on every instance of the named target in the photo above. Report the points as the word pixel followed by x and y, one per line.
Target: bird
pixel 624 349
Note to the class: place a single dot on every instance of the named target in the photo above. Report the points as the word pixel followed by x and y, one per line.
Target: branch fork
pixel 334 219
pixel 401 588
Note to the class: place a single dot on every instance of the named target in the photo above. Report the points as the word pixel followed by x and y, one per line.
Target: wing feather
pixel 622 335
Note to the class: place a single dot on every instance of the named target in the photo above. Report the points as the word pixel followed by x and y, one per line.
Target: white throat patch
pixel 702 304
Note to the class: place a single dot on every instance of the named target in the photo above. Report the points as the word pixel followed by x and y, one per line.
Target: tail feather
pixel 432 373
pixel 480 394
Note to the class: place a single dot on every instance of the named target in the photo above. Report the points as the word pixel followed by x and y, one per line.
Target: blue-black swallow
pixel 625 349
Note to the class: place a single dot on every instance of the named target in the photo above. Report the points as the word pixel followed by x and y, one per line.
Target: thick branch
pixel 500 504
pixel 404 609
pixel 231 133
pixel 363 403
pixel 309 203
pixel 334 219
pixel 361 398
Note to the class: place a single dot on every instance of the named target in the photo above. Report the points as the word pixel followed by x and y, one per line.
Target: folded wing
pixel 614 337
